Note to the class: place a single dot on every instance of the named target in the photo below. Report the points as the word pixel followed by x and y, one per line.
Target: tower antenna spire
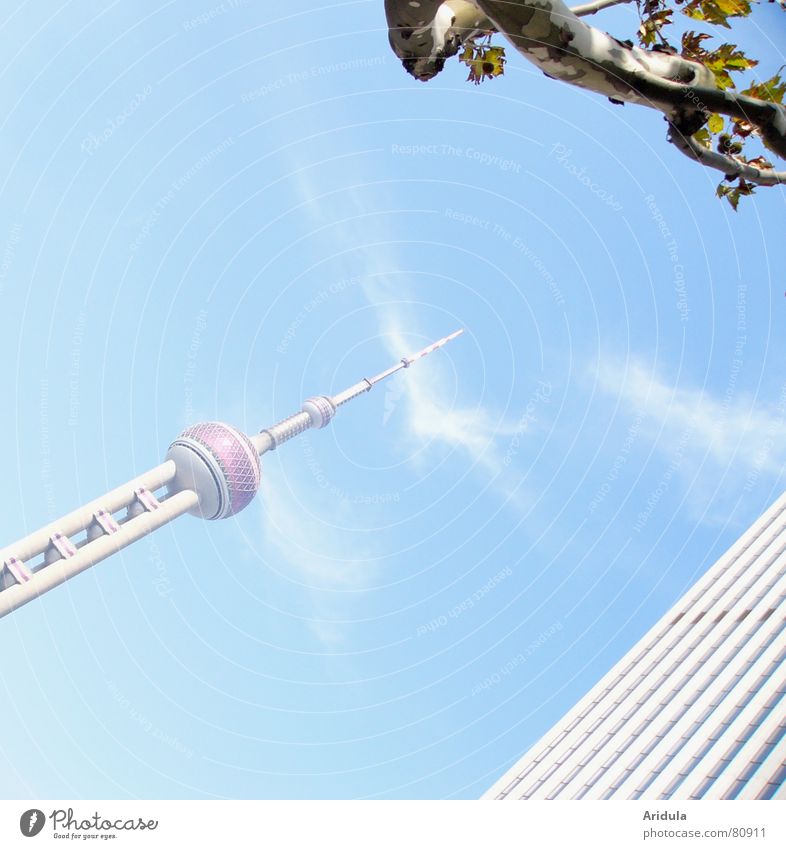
pixel 318 412
pixel 211 470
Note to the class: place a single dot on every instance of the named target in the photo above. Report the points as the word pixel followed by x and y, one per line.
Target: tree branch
pixel 423 35
pixel 550 35
pixel 596 6
pixel 768 118
pixel 730 167
pixel 554 38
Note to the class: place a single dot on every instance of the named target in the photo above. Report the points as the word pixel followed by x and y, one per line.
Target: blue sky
pixel 214 210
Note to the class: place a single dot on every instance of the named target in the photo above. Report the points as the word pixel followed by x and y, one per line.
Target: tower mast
pixel 211 470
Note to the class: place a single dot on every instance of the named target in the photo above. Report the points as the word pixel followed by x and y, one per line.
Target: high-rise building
pixel 212 470
pixel 696 709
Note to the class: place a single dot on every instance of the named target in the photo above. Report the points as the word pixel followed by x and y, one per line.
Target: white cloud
pixel 731 442
pixel 331 558
pixel 430 416
pixel 484 438
pixel 481 435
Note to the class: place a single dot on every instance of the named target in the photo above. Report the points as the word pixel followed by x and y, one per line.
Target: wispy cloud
pixel 332 561
pixel 430 416
pixel 733 438
pixel 484 437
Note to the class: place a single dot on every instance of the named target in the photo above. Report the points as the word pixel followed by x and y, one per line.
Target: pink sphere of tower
pixel 212 470
pixel 220 464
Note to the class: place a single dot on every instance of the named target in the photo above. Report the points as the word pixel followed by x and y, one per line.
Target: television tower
pixel 211 470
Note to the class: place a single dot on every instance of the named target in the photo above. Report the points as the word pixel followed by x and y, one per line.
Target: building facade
pixel 696 709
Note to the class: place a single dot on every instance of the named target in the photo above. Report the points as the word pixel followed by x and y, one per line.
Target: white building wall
pixel 696 709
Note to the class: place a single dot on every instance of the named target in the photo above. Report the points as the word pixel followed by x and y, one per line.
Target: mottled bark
pixel 553 37
pixel 423 33
pixel 596 6
pixel 547 33
pixel 729 166
pixel 564 47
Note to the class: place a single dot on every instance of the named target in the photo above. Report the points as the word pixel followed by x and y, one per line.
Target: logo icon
pixel 31 822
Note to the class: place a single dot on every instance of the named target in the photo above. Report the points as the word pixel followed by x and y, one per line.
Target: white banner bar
pixel 395 824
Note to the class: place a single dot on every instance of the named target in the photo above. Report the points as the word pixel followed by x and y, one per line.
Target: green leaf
pixel 649 30
pixel 734 193
pixel 771 90
pixel 733 8
pixel 703 137
pixel 717 11
pixel 484 62
pixel 691 44
pixel 715 124
pixel 731 195
pixel 723 61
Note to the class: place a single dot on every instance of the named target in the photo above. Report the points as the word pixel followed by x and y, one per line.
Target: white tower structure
pixel 696 709
pixel 212 470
